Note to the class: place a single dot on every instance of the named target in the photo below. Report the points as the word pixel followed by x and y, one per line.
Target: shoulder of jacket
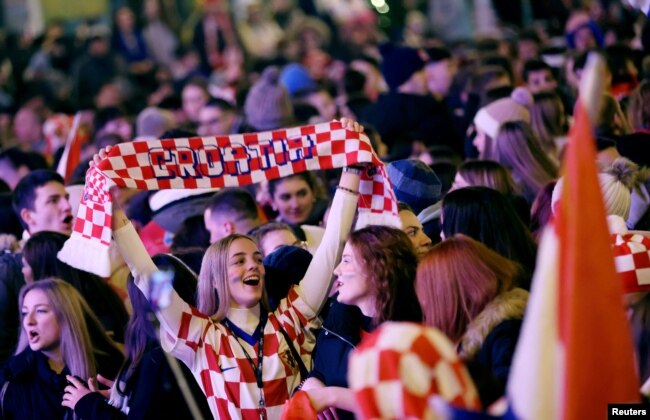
pixel 509 305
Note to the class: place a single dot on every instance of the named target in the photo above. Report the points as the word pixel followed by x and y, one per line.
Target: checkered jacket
pixel 210 350
pixel 219 365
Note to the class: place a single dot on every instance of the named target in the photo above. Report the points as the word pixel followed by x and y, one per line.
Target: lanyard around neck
pixel 260 350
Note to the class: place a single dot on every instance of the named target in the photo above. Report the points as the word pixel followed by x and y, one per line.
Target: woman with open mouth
pixel 376 283
pixel 40 262
pixel 245 358
pixel 57 343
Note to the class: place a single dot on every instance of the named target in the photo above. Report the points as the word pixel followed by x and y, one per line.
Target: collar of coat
pixel 509 305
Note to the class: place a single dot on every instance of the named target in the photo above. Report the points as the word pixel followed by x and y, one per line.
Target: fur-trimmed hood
pixel 509 305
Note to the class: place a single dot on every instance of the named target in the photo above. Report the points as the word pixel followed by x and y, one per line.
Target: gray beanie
pixel 268 106
pixel 153 122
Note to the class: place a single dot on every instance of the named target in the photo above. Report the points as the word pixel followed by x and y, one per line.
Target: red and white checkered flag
pixel 632 260
pixel 222 161
pixel 399 370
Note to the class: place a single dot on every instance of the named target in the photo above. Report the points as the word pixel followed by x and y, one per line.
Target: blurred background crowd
pixel 468 102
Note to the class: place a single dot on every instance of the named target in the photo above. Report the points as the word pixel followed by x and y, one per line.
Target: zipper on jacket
pixel 339 336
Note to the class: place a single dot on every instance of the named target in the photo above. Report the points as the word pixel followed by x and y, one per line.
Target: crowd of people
pixel 275 291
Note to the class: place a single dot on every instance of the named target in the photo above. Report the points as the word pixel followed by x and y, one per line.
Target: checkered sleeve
pixel 181 323
pixel 290 314
pixel 190 336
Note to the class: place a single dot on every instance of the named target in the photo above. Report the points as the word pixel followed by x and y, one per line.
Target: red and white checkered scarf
pixel 222 161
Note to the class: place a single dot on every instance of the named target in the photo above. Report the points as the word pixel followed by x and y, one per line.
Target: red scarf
pixel 223 161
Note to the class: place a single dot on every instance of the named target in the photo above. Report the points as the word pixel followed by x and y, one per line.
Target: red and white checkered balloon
pixel 632 259
pixel 401 368
pixel 222 161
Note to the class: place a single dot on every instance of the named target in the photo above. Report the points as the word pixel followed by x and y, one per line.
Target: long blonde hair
pixel 547 120
pixel 488 173
pixel 213 295
pixel 73 315
pixel 638 107
pixel 517 148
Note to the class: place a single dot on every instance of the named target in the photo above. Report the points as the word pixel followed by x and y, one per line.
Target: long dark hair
pixel 391 260
pixel 140 332
pixel 40 253
pixel 489 217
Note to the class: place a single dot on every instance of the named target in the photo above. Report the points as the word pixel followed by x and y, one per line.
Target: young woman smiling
pixel 238 351
pixel 295 200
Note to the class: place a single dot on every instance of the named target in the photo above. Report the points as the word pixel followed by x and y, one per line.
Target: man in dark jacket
pixel 210 37
pixel 408 112
pixel 94 69
pixel 41 202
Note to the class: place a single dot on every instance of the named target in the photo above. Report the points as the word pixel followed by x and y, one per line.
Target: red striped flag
pixel 71 156
pixel 575 352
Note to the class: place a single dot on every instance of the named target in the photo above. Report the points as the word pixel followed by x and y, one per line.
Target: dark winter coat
pixel 490 339
pixel 400 118
pixel 30 389
pixel 340 334
pixel 155 394
pixel 11 280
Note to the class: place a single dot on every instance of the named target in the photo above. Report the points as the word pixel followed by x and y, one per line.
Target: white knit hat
pixel 491 117
pixel 616 185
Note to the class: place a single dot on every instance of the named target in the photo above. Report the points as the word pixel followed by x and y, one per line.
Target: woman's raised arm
pixel 317 281
pixel 140 263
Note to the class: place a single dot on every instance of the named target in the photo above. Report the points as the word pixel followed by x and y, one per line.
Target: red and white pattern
pixel 71 156
pixel 632 259
pixel 219 365
pixel 397 371
pixel 222 161
pixel 56 131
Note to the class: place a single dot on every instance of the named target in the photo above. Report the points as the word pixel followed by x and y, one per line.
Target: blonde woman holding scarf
pixel 239 352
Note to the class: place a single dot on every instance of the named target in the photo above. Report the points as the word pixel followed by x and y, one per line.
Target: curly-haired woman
pixel 375 281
